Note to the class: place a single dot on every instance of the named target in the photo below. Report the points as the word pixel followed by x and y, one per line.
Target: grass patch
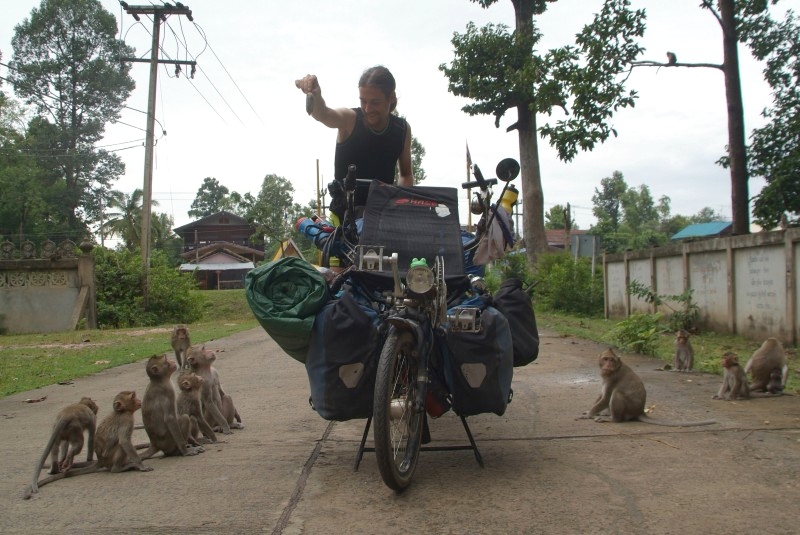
pixel 31 361
pixel 708 346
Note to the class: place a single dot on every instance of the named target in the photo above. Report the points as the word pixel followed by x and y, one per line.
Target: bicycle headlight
pixel 419 278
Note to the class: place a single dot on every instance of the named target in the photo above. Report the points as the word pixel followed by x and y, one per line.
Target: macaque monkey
pixel 734 380
pixel 180 343
pixel 217 405
pixel 623 394
pixel 67 433
pixel 775 385
pixel 113 446
pixel 189 403
pixel 672 59
pixel 765 360
pixel 684 354
pixel 168 431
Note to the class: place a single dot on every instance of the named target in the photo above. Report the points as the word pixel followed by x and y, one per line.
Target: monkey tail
pixel 647 420
pixel 88 467
pixel 57 429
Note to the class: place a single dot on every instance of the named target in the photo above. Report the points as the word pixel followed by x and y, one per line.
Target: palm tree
pixel 126 222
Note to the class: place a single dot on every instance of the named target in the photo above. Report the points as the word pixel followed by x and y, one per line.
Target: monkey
pixel 775 385
pixel 767 358
pixel 113 446
pixel 189 403
pixel 684 354
pixel 68 429
pixel 672 59
pixel 180 343
pixel 624 395
pixel 734 380
pixel 168 431
pixel 217 405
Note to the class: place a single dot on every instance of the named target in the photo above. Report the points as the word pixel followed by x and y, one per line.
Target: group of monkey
pixel 175 424
pixel 623 394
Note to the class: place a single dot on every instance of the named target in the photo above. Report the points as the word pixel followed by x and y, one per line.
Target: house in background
pixel 219 251
pixel 713 229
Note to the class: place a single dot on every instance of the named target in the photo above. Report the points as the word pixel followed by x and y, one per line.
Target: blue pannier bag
pixel 342 359
pixel 480 365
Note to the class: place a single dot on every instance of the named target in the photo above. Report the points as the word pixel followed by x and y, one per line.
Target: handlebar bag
pixel 415 222
pixel 517 306
pixel 480 365
pixel 342 359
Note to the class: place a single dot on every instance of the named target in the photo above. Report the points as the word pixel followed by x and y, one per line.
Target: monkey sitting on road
pixel 623 394
pixel 180 343
pixel 189 403
pixel 218 406
pixel 168 431
pixel 115 451
pixel 67 433
pixel 767 363
pixel 734 380
pixel 684 354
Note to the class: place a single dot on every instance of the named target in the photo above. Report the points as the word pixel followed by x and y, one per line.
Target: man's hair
pixel 380 77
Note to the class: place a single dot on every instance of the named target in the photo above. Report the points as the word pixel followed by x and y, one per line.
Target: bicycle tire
pixel 397 426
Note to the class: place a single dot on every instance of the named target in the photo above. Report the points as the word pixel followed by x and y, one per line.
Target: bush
pixel 120 303
pixel 638 333
pixel 567 285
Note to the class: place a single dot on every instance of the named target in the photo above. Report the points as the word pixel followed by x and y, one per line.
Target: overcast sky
pixel 241 118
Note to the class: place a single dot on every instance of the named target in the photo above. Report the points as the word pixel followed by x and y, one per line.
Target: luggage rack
pixel 472 445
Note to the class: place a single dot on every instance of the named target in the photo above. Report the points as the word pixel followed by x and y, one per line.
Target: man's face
pixel 375 106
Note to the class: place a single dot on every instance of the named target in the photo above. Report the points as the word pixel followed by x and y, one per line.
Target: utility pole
pixel 159 14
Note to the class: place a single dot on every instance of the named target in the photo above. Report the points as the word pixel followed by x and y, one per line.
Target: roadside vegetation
pixel 31 361
pixel 567 301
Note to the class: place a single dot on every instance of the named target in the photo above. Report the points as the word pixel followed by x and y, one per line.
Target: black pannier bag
pixel 481 364
pixel 342 359
pixel 418 222
pixel 517 306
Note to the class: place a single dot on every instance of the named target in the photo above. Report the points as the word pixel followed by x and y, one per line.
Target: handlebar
pixel 477 184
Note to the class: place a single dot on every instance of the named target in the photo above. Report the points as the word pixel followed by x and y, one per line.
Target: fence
pixel 46 292
pixel 741 284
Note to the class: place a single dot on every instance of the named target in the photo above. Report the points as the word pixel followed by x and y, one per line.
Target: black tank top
pixel 374 154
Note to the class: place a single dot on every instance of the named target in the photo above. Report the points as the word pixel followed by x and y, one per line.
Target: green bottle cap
pixel 419 262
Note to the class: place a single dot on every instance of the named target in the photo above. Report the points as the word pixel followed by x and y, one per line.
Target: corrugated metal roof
pixel 698 230
pixel 217 267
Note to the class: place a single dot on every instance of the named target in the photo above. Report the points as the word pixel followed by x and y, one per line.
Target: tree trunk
pixel 740 201
pixel 530 171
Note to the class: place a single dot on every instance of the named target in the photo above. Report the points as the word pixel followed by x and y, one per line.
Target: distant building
pixel 713 229
pixel 219 251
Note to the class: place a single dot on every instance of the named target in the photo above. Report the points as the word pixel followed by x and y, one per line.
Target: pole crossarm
pixel 168 61
pixel 158 11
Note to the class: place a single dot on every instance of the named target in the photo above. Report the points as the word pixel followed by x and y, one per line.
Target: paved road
pixel 290 471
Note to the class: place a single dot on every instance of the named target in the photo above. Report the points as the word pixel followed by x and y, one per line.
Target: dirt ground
pixel 291 472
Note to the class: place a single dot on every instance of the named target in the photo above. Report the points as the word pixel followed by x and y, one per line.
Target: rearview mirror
pixel 507 170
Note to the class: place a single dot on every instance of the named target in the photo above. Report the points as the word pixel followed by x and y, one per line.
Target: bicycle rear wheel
pixel 397 424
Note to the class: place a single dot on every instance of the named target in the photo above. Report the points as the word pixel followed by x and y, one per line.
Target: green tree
pixel 210 198
pixel 126 222
pixel 417 154
pixel 500 70
pixel 775 147
pixel 272 210
pixel 66 65
pixel 556 218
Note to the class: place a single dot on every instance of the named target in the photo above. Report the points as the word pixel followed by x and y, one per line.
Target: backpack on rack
pixel 480 365
pixel 517 306
pixel 342 359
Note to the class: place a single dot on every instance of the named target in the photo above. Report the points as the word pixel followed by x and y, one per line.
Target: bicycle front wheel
pixel 397 424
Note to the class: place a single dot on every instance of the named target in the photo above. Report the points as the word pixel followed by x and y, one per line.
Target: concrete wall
pixel 39 295
pixel 742 284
